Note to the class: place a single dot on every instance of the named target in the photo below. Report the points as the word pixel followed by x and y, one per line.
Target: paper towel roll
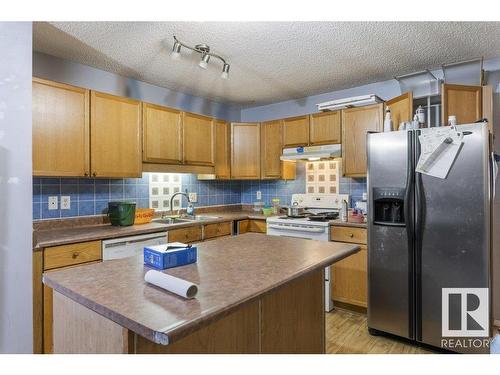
pixel 173 284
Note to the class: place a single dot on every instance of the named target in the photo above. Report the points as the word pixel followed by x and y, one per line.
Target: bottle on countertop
pixel 415 124
pixel 345 211
pixel 388 120
pixel 420 112
pixel 190 209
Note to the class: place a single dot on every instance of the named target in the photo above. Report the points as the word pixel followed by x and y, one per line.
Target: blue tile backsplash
pixel 90 196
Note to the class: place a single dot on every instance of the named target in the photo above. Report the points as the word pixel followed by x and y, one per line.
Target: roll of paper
pixel 173 284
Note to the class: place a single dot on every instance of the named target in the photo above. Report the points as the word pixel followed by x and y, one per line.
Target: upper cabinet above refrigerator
pixel 463 102
pixel 401 109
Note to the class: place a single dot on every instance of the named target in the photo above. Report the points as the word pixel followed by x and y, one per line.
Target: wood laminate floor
pixel 347 333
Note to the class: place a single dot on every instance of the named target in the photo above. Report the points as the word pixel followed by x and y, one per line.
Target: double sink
pixel 185 219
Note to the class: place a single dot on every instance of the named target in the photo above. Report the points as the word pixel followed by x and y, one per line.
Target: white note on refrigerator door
pixel 439 150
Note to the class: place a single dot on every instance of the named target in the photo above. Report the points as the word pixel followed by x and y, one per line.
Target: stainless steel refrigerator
pixel 425 233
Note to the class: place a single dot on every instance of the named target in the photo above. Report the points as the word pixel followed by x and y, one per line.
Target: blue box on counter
pixel 169 255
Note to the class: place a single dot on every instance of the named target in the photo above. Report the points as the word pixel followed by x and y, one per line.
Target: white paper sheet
pixel 439 150
pixel 172 284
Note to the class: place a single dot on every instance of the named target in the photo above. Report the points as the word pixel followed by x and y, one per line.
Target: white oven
pixel 307 229
pixel 304 230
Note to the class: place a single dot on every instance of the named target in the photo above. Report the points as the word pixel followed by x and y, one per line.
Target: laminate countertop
pixel 230 272
pixel 63 236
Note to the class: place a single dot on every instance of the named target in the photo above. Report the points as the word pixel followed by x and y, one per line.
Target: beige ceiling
pixel 270 61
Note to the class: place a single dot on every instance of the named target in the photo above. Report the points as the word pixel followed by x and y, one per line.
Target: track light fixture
pixel 204 50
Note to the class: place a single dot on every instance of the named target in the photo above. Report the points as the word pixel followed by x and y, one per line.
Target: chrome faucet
pixel 172 200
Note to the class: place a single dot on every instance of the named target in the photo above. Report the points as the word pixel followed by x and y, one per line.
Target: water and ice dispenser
pixel 388 206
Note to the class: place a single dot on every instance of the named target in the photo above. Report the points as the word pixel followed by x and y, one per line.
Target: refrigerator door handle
pixel 408 215
pixel 419 215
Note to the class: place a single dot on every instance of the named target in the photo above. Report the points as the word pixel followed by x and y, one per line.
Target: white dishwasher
pixel 130 246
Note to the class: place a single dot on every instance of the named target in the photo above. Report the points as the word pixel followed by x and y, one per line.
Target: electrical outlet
pixel 193 197
pixel 364 196
pixel 53 203
pixel 65 202
pixel 259 195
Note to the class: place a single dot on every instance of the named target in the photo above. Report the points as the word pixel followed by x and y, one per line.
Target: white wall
pixel 16 330
pixel 56 69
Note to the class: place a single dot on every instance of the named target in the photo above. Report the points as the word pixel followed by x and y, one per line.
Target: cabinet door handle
pixel 94 174
pixel 86 174
pixel 75 255
pixel 351 235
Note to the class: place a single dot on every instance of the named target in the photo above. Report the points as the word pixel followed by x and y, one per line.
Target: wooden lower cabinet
pixel 217 230
pixel 186 235
pixel 350 275
pixel 348 234
pixel 252 225
pixel 69 255
pixel 51 259
pixel 289 319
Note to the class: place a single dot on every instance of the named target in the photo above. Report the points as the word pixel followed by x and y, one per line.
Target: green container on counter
pixel 121 213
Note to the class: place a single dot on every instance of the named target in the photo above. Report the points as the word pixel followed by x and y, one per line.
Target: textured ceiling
pixel 270 61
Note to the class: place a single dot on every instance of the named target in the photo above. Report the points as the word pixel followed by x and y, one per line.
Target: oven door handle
pixel 297 229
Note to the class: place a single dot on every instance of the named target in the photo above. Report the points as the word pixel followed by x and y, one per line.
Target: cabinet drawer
pixel 186 235
pixel 217 230
pixel 257 226
pixel 348 234
pixel 68 255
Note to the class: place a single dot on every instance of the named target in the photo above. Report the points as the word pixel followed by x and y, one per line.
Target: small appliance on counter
pixel 121 213
pixel 313 223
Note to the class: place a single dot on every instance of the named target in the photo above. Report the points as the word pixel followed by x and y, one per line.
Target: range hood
pixel 312 153
pixel 356 101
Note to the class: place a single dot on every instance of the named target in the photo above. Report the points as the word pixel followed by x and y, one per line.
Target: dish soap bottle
pixel 190 209
pixel 388 120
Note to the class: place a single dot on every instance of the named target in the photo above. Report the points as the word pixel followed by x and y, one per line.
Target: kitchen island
pixel 257 294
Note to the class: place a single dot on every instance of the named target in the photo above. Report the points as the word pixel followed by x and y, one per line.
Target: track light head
pixel 204 61
pixel 225 71
pixel 176 51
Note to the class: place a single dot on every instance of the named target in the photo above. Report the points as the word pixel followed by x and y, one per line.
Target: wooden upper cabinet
pixel 356 122
pixel 324 128
pixel 115 124
pixel 401 109
pixel 270 148
pixel 60 129
pixel 464 102
pixel 222 150
pixel 198 139
pixel 245 151
pixel 296 131
pixel 162 134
